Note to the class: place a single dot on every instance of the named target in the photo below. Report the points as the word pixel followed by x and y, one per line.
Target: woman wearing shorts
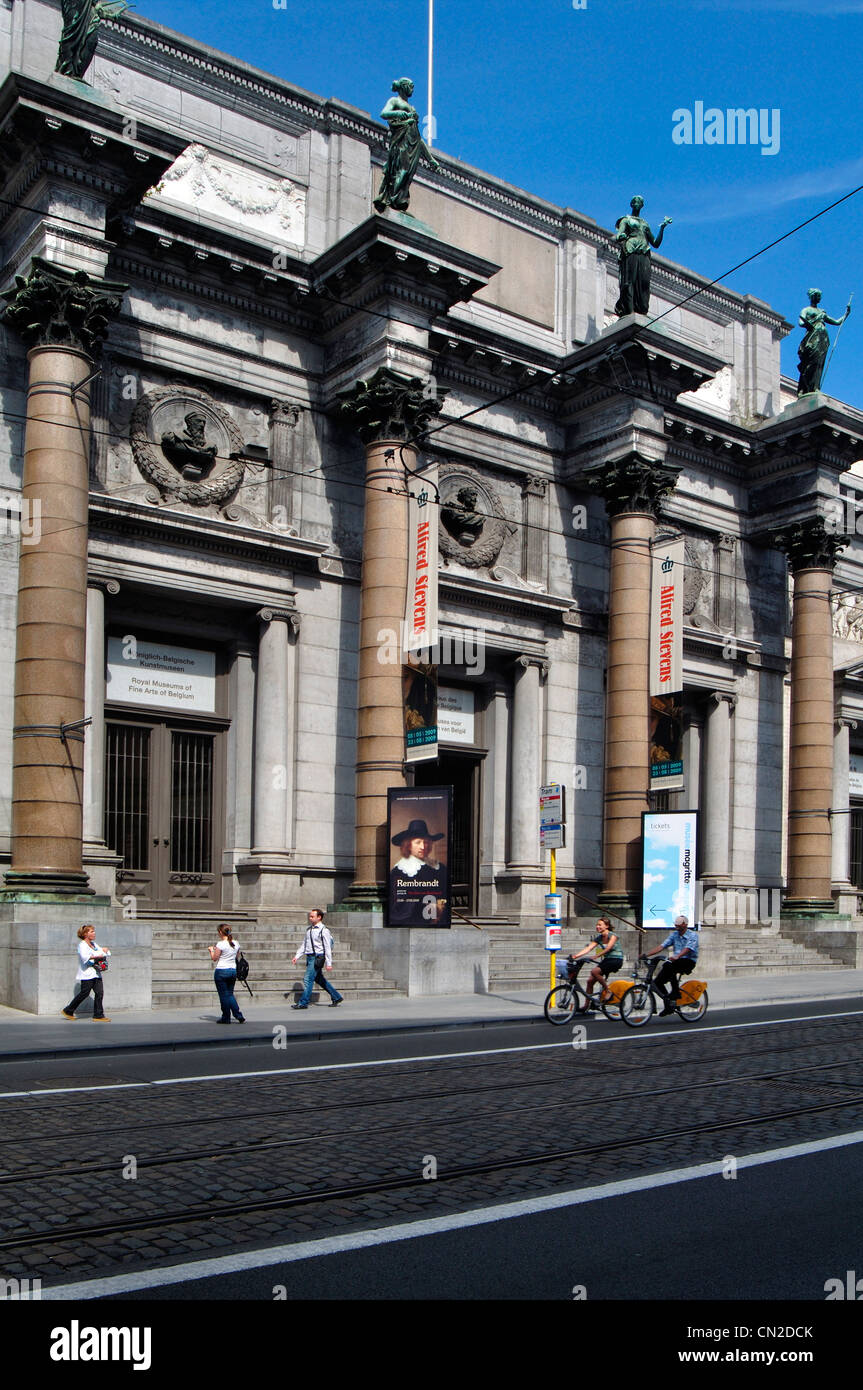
pixel 610 958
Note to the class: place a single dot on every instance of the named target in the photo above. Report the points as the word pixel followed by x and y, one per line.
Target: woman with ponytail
pixel 224 958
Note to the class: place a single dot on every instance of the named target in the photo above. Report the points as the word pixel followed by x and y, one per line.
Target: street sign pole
pixel 552 836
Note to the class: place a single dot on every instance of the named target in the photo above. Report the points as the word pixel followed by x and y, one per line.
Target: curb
pixel 375 1030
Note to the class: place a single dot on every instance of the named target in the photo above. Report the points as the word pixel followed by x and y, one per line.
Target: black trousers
pixel 669 974
pixel 98 988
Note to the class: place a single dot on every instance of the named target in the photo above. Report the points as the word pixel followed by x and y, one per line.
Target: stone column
pixel 94 710
pixel 274 720
pixel 62 318
pixel 525 764
pixel 716 798
pixel 633 489
pixel 841 822
pixel 388 412
pixel 811 552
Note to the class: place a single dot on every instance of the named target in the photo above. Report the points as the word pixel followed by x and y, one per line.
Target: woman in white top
pixel 224 958
pixel 89 975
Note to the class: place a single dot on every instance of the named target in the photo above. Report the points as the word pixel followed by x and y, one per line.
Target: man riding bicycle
pixel 684 944
pixel 609 959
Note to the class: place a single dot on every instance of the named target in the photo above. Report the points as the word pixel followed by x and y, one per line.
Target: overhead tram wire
pixel 598 541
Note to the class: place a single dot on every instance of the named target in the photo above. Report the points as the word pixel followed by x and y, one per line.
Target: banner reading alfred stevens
pixel 420 628
pixel 418 833
pixel 666 666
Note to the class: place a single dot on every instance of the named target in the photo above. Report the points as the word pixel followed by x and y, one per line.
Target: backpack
pixel 243 970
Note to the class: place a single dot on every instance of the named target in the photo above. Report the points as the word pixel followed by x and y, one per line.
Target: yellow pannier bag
pixel 618 989
pixel 691 991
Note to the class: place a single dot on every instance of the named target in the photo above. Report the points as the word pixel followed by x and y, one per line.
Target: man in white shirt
pixel 317 948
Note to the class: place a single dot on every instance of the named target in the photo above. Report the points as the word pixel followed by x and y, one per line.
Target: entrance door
pixel 160 806
pixel 461 772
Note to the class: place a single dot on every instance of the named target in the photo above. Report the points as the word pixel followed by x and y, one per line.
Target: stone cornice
pixel 634 358
pixel 469 591
pixel 50 131
pixel 118 517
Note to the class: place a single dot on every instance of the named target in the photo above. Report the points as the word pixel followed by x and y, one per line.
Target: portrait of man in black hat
pixel 419 882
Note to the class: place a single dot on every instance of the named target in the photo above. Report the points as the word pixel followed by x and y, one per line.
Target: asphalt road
pixel 487 1136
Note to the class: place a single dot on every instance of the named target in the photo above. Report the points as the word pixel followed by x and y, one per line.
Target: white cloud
pixel 650 879
pixel 736 203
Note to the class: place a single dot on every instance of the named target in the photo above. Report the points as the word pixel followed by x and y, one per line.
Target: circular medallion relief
pixel 472 527
pixel 188 446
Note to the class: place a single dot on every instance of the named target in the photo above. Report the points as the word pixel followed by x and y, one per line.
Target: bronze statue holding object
pixel 406 148
pixel 636 239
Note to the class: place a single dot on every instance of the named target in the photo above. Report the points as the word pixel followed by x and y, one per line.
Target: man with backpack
pixel 317 948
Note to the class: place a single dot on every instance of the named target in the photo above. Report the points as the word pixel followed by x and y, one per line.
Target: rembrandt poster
pixel 418 835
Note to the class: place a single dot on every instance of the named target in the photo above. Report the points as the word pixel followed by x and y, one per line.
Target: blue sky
pixel 576 105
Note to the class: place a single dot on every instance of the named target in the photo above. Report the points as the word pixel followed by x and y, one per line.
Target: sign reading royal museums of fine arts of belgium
pixel 152 673
pixel 670 840
pixel 419 835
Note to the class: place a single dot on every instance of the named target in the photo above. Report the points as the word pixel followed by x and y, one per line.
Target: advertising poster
pixel 419 827
pixel 670 842
pixel 419 685
pixel 666 666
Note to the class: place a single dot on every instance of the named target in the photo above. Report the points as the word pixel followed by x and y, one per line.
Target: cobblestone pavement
pixel 313 1142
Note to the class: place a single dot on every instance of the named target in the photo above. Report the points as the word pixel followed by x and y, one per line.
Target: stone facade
pixel 228 496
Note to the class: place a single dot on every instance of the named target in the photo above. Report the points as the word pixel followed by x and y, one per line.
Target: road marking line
pixel 437 1225
pixel 428 1057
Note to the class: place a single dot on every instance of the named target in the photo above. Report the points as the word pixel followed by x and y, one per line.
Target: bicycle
pixel 562 1003
pixel 638 1004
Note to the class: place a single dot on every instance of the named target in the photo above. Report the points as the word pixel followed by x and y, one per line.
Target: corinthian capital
pixel 389 406
pixel 54 307
pixel 632 484
pixel 809 545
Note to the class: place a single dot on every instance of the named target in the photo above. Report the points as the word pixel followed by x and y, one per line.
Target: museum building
pixel 207 443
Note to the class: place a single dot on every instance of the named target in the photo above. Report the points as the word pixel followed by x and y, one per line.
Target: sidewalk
pixel 25 1035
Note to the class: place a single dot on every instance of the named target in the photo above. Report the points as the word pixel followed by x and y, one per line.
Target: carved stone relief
pixel 848 617
pixel 473 527
pixel 188 447
pixel 232 191
pixel 698 584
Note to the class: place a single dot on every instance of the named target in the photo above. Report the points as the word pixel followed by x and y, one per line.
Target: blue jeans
pixel 313 974
pixel 225 980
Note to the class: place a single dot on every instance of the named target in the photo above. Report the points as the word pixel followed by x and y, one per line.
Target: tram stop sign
pixel 552 816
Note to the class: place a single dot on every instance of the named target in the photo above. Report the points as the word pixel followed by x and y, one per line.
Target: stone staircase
pixel 775 955
pixel 518 962
pixel 183 974
pixel 516 958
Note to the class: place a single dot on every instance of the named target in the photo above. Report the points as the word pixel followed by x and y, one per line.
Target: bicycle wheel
pixel 691 1013
pixel 560 1004
pixel 611 1009
pixel 637 1006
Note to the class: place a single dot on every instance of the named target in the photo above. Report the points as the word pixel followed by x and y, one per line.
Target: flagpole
pixel 430 123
